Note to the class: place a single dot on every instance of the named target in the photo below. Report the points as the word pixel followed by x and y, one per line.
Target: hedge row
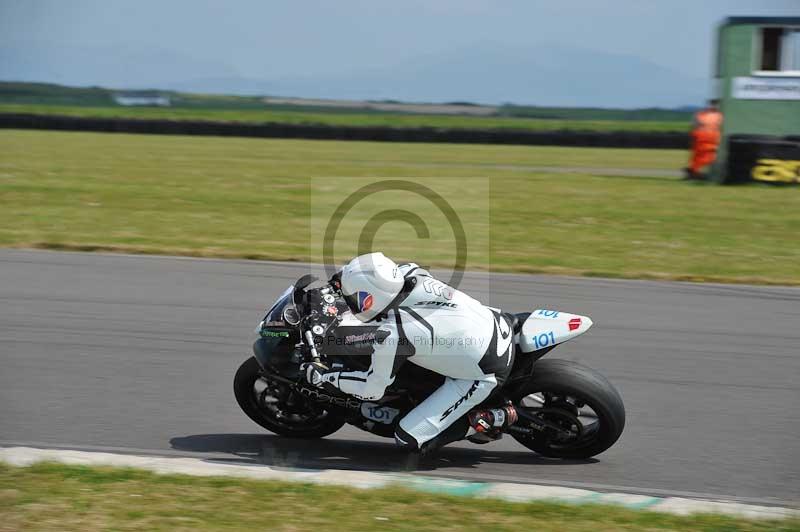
pixel 620 139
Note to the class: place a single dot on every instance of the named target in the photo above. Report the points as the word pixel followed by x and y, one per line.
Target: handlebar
pixel 312 347
pixel 318 309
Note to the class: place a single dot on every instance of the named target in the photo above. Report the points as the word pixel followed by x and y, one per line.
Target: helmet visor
pixel 358 302
pixel 352 302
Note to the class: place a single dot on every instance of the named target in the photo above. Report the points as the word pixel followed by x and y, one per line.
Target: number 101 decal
pixel 544 340
pixel 376 412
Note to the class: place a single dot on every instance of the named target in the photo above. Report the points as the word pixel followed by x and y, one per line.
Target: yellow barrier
pixel 776 171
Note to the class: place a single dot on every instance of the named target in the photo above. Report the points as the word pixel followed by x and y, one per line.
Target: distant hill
pixel 543 75
pixel 547 75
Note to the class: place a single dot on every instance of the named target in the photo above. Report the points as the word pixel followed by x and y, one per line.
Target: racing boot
pixel 489 424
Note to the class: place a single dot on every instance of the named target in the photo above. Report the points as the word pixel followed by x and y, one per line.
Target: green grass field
pixel 56 497
pixel 232 197
pixel 348 118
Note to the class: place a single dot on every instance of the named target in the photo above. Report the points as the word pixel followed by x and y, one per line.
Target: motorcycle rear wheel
pixel 257 398
pixel 579 399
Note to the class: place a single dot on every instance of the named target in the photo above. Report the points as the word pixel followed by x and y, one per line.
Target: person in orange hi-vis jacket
pixel 705 139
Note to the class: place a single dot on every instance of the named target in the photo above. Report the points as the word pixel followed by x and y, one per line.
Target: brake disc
pixel 559 416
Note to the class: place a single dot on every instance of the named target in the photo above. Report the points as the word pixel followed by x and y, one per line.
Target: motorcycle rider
pixel 428 323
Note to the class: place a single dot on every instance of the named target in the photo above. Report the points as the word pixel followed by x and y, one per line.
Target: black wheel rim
pixel 284 407
pixel 580 420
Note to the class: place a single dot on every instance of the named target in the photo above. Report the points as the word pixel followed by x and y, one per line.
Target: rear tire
pixel 270 415
pixel 566 378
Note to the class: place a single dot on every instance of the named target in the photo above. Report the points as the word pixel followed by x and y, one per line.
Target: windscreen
pixel 275 314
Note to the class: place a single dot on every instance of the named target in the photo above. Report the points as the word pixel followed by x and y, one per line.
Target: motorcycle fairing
pixel 546 328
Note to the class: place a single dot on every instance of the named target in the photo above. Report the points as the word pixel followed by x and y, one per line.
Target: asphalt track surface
pixel 137 354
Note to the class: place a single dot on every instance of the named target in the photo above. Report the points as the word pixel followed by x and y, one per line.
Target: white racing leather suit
pixel 435 326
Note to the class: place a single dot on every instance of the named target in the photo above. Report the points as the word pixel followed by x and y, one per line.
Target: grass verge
pixel 58 497
pixel 351 118
pixel 251 198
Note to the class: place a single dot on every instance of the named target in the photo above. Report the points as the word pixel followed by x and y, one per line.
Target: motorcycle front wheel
pixel 581 401
pixel 279 409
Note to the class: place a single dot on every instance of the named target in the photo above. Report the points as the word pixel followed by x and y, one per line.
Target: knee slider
pixel 406 440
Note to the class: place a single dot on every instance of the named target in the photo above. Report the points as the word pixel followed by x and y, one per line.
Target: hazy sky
pixel 278 40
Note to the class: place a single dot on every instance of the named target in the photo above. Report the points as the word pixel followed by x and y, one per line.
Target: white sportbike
pixel 566 410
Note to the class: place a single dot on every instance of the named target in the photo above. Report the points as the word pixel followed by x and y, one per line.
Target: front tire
pixel 572 395
pixel 278 409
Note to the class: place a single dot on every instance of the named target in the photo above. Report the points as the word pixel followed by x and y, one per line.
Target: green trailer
pixel 758 85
